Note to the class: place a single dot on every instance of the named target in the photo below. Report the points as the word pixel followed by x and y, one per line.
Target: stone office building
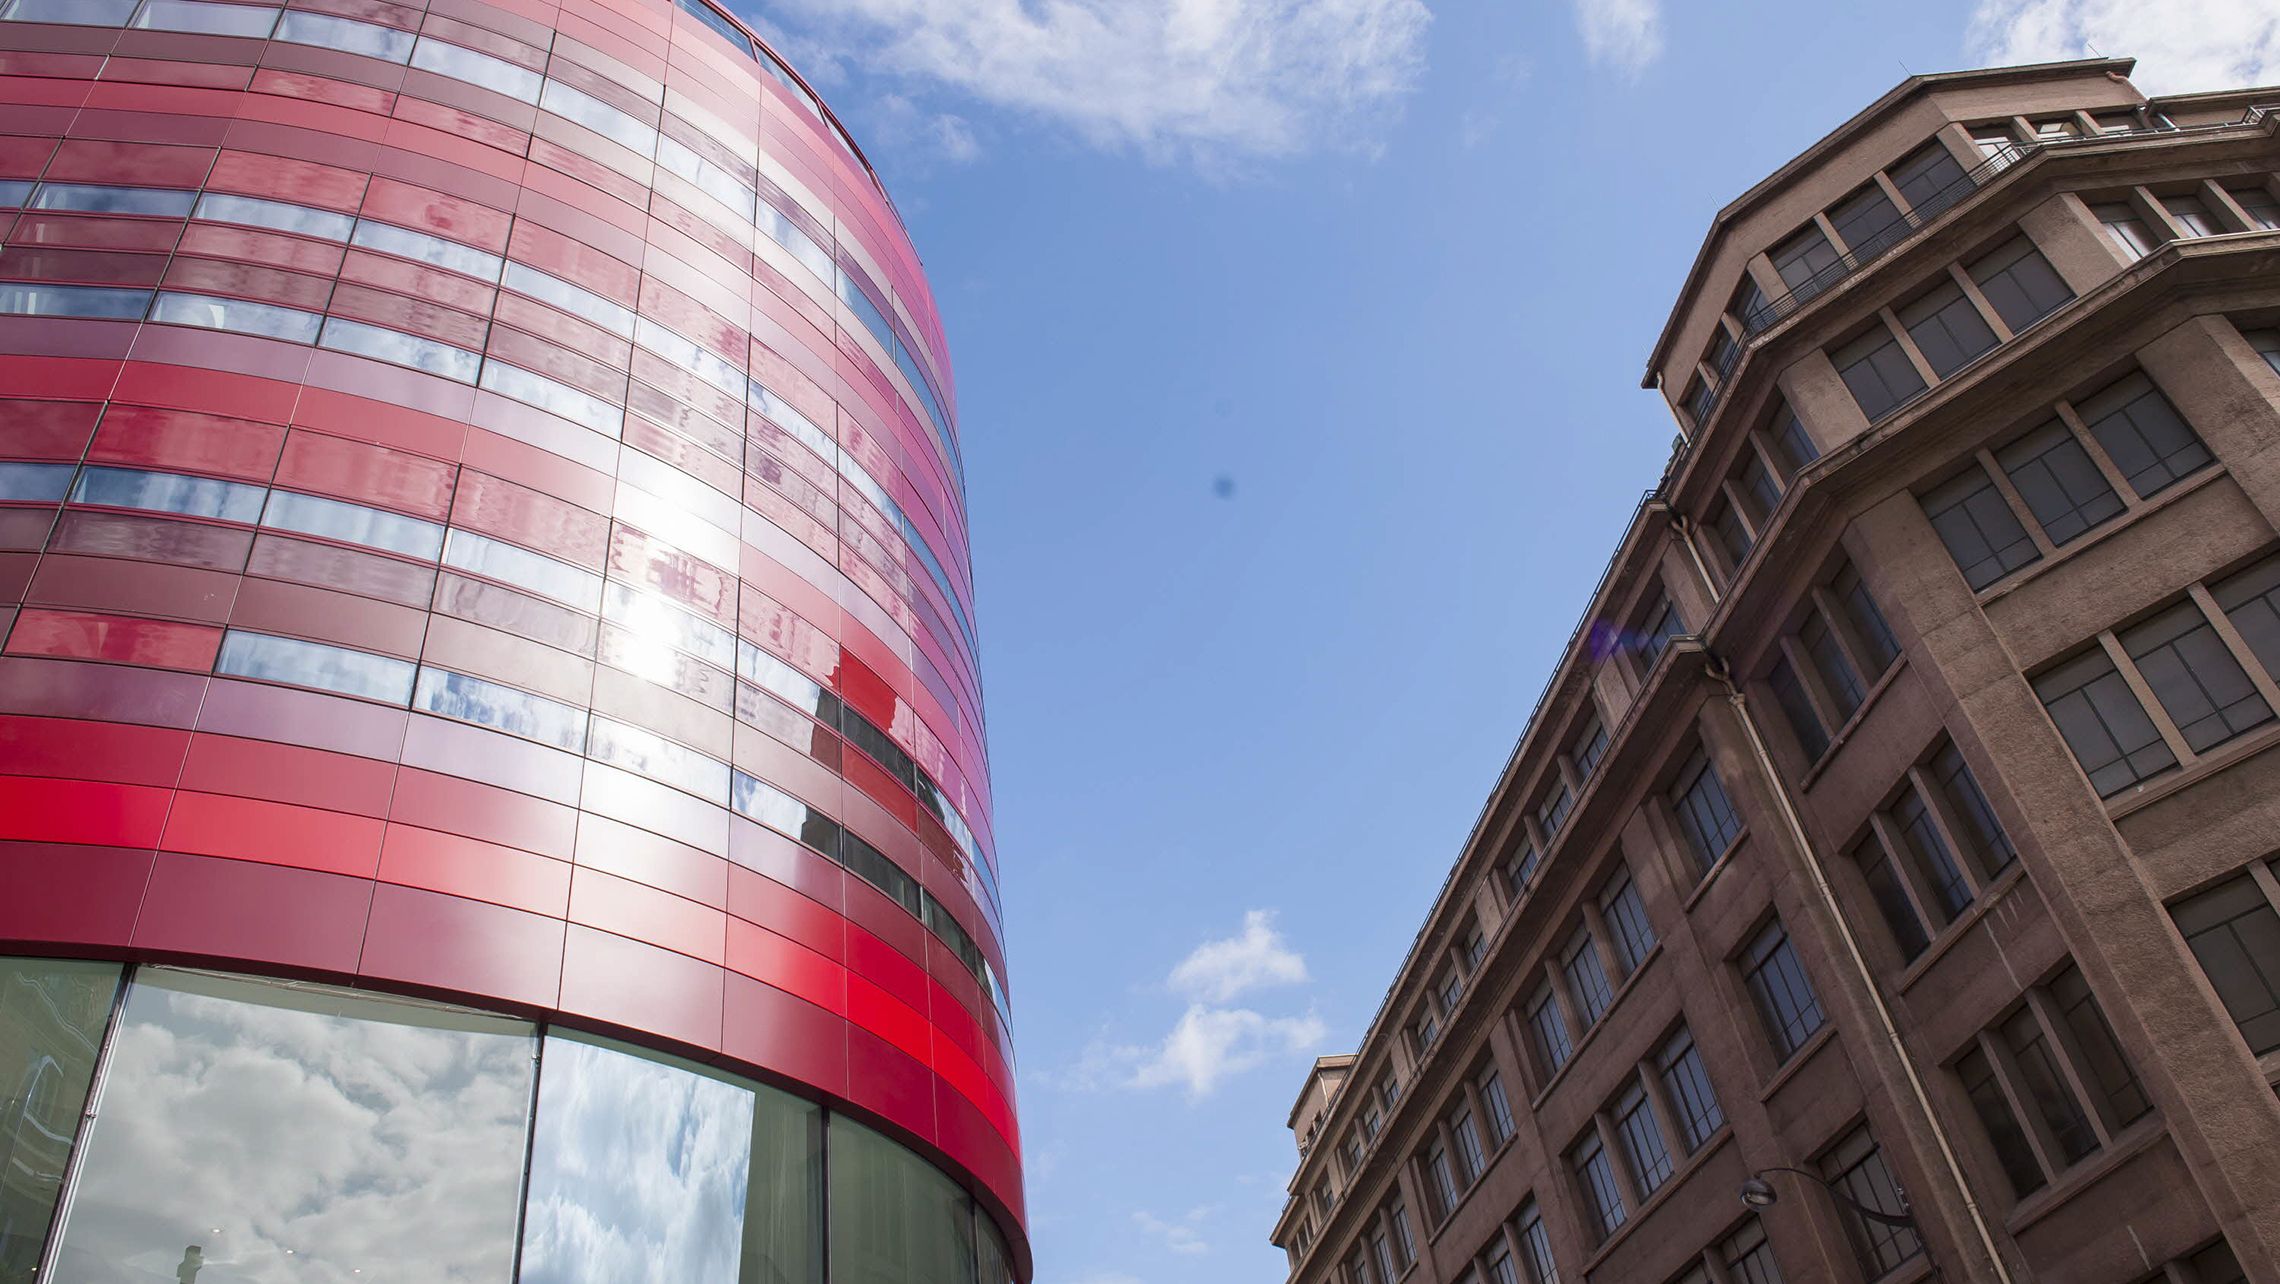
pixel 1894 844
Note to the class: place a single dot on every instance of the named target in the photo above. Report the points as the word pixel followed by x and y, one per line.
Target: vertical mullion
pixel 1902 858
pixel 2003 332
pixel 2024 515
pixel 1967 856
pixel 1908 347
pixel 2241 653
pixel 2022 1103
pixel 1618 1162
pixel 1809 680
pixel 2138 686
pixel 1664 1110
pixel 2107 469
pixel 1840 626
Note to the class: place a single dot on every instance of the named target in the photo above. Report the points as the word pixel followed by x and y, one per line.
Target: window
pixel 2258 203
pixel 1839 679
pixel 1981 532
pixel 1700 396
pixel 1441 1186
pixel 1381 1249
pixel 1586 978
pixel 1657 626
pixel 2200 685
pixel 1878 372
pixel 1930 851
pixel 1552 812
pixel 1747 306
pixel 1626 919
pixel 1520 869
pixel 1472 947
pixel 1450 988
pixel 1930 856
pixel 1490 1085
pixel 1870 632
pixel 1548 1037
pixel 1792 444
pixel 2149 442
pixel 2103 723
pixel 1747 1256
pixel 2192 215
pixel 1404 1247
pixel 1472 1161
pixel 1389 1088
pixel 2128 230
pixel 1372 1120
pixel 1734 537
pixel 2019 283
pixel 1602 1202
pixel 1947 328
pixel 1688 1084
pixel 1706 818
pixel 2061 486
pixel 2251 600
pixel 1723 353
pixel 1867 222
pixel 1423 1029
pixel 1535 1245
pixel 1929 179
pixel 2056 128
pixel 1856 1166
pixel 1972 820
pixel 2235 935
pixel 1797 708
pixel 153 202
pixel 2267 345
pixel 310 664
pixel 2021 1078
pixel 1358 1267
pixel 1641 1138
pixel 1806 262
pixel 1588 747
pixel 1993 140
pixel 265 319
pixel 168 493
pixel 1778 986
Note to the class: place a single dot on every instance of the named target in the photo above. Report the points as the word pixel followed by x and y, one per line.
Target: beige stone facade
pixel 1904 811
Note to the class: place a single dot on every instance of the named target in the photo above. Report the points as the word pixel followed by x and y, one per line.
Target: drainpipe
pixel 1716 667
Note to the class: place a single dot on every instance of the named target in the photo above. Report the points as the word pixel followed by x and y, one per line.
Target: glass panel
pixel 2128 230
pixel 2147 439
pixel 449 255
pixel 1642 1140
pixel 1587 980
pixel 2003 1131
pixel 503 708
pixel 1878 373
pixel 712 18
pixel 310 664
pixel 2236 936
pixel 1797 707
pixel 2125 1099
pixel 1929 179
pixel 157 202
pixel 27 300
pixel 1981 532
pixel 52 1017
pixel 1547 1032
pixel 2046 1086
pixel 1867 620
pixel 1597 1177
pixel 2103 723
pixel 495 74
pixel 1950 891
pixel 1705 815
pixel 1749 1258
pixel 276 215
pixel 1536 1245
pixel 1785 999
pixel 1947 329
pixel 1891 897
pixel 2203 689
pixel 1867 222
pixel 2258 203
pixel 2062 488
pixel 498 560
pixel 35 483
pixel 2251 600
pixel 343 335
pixel 575 300
pixel 281 1133
pixel 1688 1083
pixel 1980 828
pixel 1627 922
pixel 303 28
pixel 1864 1178
pixel 650 1170
pixel 93 13
pixel 169 493
pixel 1802 261
pixel 208 19
pixel 649 754
pixel 265 319
pixel 556 399
pixel 2019 283
pixel 1838 677
pixel 600 117
pixel 353 524
pixel 895 1219
pixel 2192 215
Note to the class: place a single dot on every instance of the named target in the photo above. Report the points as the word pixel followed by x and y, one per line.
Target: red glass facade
pixel 480 516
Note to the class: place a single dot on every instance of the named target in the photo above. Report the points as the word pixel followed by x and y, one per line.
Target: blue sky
pixel 1298 346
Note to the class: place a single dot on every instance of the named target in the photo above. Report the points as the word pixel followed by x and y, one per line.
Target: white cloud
pixel 1210 1044
pixel 2180 45
pixel 902 124
pixel 1624 35
pixel 1180 1236
pixel 1219 971
pixel 1207 78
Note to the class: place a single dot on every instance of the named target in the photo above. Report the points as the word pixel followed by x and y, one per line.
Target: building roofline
pixel 1336 1061
pixel 1860 122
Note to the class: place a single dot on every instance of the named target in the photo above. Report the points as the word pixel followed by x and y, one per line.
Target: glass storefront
pixel 247 1131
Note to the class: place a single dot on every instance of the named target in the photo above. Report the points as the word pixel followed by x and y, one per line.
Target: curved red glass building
pixel 492 779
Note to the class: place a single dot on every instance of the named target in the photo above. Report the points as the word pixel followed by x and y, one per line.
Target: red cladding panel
pixel 628 532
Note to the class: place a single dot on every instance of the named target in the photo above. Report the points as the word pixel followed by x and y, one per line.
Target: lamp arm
pixel 1900 1219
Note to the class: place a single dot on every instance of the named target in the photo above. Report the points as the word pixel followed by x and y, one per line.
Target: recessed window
pixel 2019 283
pixel 1855 1167
pixel 1588 746
pixel 2192 215
pixel 2234 933
pixel 1867 222
pixel 1553 811
pixel 1878 373
pixel 2103 723
pixel 2143 434
pixel 2128 230
pixel 1586 977
pixel 1548 1036
pixel 1706 817
pixel 2061 486
pixel 1658 624
pixel 1535 1245
pixel 2200 685
pixel 1595 1176
pixel 1629 932
pixel 2026 1078
pixel 1806 262
pixel 1686 1081
pixel 1777 984
pixel 1643 1149
pixel 1981 532
pixel 1947 328
pixel 2257 201
pixel 1929 179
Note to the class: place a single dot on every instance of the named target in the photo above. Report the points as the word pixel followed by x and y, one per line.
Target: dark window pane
pixel 2046 1086
pixel 1603 1202
pixel 1867 620
pixel 2103 723
pixel 2236 936
pixel 2267 345
pixel 1789 436
pixel 2204 689
pixel 1700 397
pixel 1587 980
pixel 1535 1245
pixel 2128 230
pixel 2192 215
pixel 711 17
pixel 1867 222
pixel 1758 488
pixel 2019 283
pixel 1806 262
pixel 1642 1140
pixel 1734 537
pixel 1981 532
pixel 1548 1032
pixel 1553 811
pixel 1626 920
pixel 2062 488
pixel 1749 1258
pixel 295 1132
pixel 1935 864
pixel 1878 372
pixel 1947 329
pixel 1587 747
pixel 2143 434
pixel 1657 627
pixel 1980 830
pixel 2003 1130
pixel 1830 662
pixel 1520 870
pixel 1891 897
pixel 1705 816
pixel 52 1017
pixel 2217 1265
pixel 2110 1071
pixel 1797 707
pixel 2258 203
pixel 1747 303
pixel 895 1218
pixel 2251 600
pixel 1929 180
pixel 1777 983
pixel 1689 1086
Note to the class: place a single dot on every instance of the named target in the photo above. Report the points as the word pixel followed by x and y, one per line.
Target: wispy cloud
pixel 1622 35
pixel 1215 79
pixel 2180 45
pixel 1223 970
pixel 1180 1236
pixel 1211 1044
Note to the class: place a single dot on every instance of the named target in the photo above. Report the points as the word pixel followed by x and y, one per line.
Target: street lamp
pixel 1757 1192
